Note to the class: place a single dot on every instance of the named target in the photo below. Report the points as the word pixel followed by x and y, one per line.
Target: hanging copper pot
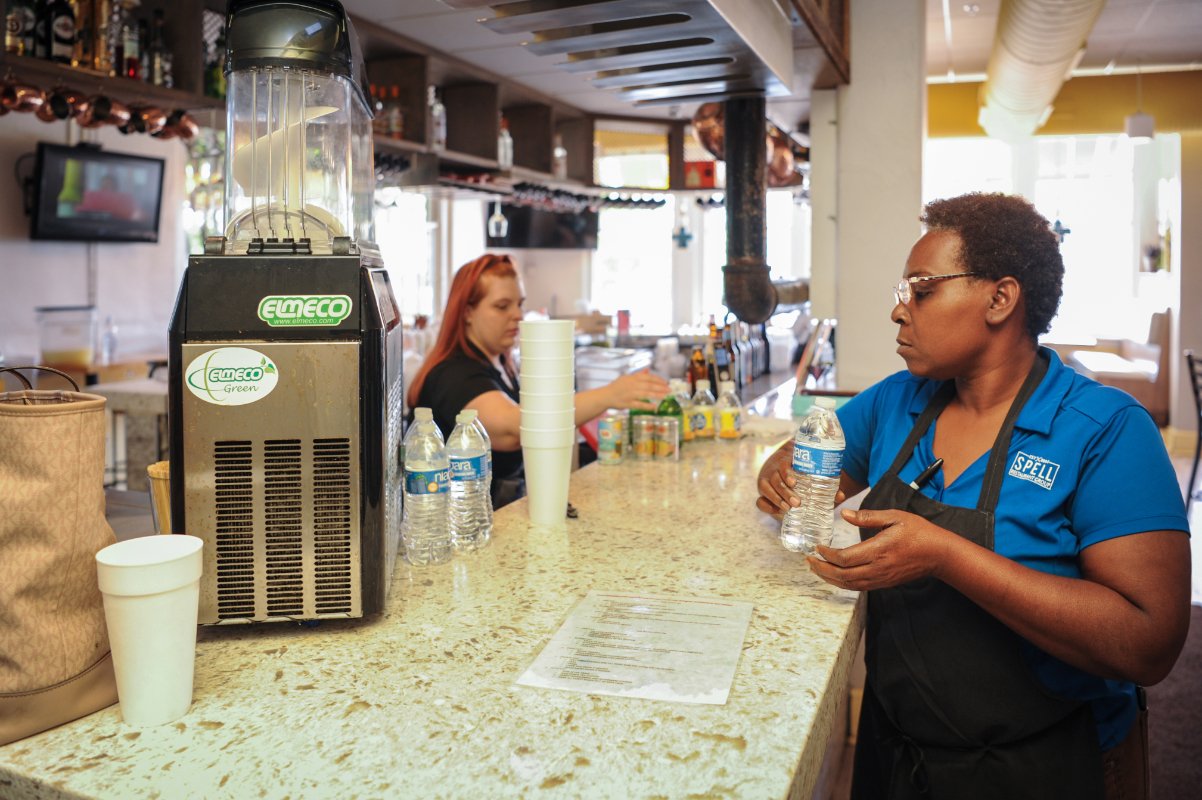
pixel 187 128
pixel 62 103
pixel 21 97
pixel 104 111
pixel 709 124
pixel 147 119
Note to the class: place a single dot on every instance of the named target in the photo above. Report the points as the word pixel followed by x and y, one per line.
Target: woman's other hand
pixel 776 483
pixel 642 390
pixel 905 548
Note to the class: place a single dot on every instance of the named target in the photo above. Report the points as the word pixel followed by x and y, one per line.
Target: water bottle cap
pixel 703 385
pixel 423 414
pixel 466 417
pixel 823 401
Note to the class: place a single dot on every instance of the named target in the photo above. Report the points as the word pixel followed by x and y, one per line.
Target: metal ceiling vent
pixel 1037 46
pixel 657 51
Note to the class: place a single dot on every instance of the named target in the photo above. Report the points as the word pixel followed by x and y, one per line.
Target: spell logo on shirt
pixel 1035 469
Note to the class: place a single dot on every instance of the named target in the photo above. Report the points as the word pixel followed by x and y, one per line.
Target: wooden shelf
pixel 453 158
pixel 48 74
pixel 392 144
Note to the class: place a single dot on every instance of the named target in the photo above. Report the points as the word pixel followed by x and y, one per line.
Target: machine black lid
pixel 304 34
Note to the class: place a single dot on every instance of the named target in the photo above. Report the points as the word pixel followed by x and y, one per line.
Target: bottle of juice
pixel 701 414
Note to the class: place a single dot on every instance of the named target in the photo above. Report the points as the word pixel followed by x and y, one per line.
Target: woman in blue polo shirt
pixel 1016 601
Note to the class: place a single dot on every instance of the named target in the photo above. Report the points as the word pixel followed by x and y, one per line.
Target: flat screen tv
pixel 538 228
pixel 86 194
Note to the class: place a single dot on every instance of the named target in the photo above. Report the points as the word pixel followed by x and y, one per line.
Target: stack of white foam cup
pixel 548 402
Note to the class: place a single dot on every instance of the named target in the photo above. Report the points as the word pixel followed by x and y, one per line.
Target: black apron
pixel 951 708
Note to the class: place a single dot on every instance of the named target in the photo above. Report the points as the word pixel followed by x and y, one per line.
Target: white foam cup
pixel 548 384
pixel 533 367
pixel 548 473
pixel 554 329
pixel 547 437
pixel 548 419
pixel 151 589
pixel 547 348
pixel 546 401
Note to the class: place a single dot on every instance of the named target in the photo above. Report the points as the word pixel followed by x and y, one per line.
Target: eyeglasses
pixel 904 292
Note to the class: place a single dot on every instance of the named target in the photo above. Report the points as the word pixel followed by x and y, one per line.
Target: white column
pixel 882 123
pixel 824 193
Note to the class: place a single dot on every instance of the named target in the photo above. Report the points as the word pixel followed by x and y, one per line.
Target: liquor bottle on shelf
pixel 157 67
pixel 20 23
pixel 504 145
pixel 41 30
pixel 559 159
pixel 214 83
pixel 60 31
pixel 131 50
pixel 394 115
pixel 84 52
pixel 438 120
pixel 697 368
pixel 110 51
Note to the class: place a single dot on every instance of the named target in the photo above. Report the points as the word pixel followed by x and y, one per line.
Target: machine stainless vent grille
pixel 332 525
pixel 234 529
pixel 283 526
pixel 393 493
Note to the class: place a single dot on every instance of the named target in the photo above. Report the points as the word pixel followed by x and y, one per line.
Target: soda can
pixel 611 438
pixel 667 439
pixel 644 429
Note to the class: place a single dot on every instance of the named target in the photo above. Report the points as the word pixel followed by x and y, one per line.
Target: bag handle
pixel 29 385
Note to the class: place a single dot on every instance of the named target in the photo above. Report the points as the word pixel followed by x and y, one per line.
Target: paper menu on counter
pixel 680 649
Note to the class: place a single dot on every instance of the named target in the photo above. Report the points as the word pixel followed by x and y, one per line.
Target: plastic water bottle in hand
pixel 471 505
pixel 817 463
pixel 425 532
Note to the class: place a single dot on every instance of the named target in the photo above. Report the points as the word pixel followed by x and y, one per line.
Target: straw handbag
pixel 54 650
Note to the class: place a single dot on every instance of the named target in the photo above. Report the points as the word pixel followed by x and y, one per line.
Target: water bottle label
pixel 469 469
pixel 817 461
pixel 427 481
pixel 730 423
pixel 701 422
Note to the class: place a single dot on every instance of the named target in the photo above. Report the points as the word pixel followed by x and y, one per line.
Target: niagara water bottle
pixel 470 504
pixel 817 463
pixel 425 532
pixel 488 448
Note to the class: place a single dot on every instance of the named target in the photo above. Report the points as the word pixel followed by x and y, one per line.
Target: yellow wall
pixel 1084 105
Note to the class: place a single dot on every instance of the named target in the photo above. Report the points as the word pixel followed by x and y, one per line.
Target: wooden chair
pixel 1195 375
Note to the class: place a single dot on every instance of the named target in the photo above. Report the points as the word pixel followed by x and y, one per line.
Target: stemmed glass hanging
pixel 498 225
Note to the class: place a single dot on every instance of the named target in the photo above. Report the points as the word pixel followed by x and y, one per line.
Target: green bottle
pixel 670 407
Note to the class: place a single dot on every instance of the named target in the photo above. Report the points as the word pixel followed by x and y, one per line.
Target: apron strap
pixel 995 472
pixel 943 395
pixel 991 487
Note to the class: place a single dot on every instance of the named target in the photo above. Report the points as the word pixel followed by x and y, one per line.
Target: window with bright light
pixel 403 236
pixel 783 245
pixel 632 266
pixel 1088 185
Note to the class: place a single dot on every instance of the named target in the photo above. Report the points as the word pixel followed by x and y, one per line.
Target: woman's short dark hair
pixel 1003 235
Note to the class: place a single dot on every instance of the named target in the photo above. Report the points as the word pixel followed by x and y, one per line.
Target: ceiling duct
pixel 657 51
pixel 1037 46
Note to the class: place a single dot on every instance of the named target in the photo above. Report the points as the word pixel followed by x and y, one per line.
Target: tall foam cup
pixel 548 473
pixel 151 589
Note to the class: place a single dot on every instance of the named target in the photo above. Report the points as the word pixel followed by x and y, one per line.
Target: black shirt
pixel 449 387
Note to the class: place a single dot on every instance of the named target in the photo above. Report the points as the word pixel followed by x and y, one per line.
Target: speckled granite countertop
pixel 421 701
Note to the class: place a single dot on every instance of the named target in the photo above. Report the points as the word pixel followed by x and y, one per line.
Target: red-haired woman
pixel 471 366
